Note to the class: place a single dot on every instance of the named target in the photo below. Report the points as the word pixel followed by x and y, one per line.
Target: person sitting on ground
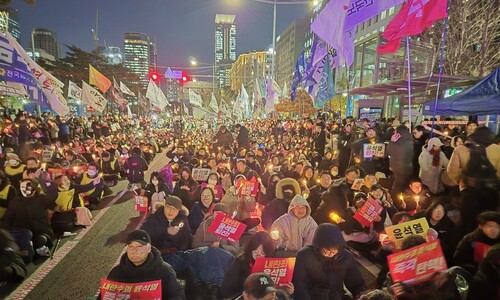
pixel 325 267
pixel 186 187
pixel 142 263
pixel 29 213
pixel 204 238
pixel 415 198
pixel 169 230
pixel 261 286
pixel 110 168
pixel 12 266
pixel 7 193
pixel 156 191
pixel 484 285
pixel 14 169
pixel 286 189
pixel 472 247
pixel 293 230
pixel 201 208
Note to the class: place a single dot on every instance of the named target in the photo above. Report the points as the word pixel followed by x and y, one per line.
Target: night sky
pixel 182 28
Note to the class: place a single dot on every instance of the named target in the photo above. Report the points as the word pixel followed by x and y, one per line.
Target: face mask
pixel 26 189
pixel 91 173
pixel 212 181
pixel 154 182
pixel 12 162
pixel 334 173
pixel 65 187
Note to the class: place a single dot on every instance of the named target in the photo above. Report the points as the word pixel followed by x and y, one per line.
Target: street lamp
pixel 194 62
pixel 275 3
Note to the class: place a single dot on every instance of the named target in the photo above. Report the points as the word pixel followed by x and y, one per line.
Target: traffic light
pixel 185 77
pixel 153 75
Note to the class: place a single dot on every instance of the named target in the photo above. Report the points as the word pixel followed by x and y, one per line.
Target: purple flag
pixel 360 11
pixel 329 25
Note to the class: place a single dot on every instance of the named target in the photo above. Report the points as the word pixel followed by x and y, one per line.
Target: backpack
pixel 480 173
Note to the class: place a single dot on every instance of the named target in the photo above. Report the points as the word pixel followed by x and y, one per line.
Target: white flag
pixel 74 92
pixel 245 101
pixel 93 98
pixel 129 112
pixel 284 93
pixel 213 104
pixel 151 94
pixel 126 90
pixel 195 99
pixel 56 100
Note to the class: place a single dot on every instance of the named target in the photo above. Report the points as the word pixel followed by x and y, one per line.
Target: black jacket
pixel 234 279
pixel 242 138
pixel 156 226
pixel 154 268
pixel 464 254
pixel 315 273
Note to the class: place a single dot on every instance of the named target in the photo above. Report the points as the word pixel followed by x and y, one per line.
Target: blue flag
pixel 325 85
pixel 297 75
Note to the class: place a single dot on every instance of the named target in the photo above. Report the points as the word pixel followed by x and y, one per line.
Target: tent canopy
pixel 481 99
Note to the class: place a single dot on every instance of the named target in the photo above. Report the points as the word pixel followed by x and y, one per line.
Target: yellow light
pixel 275 234
pixel 357 160
pixel 335 217
pixel 270 168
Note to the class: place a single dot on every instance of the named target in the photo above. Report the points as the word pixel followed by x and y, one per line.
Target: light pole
pixel 194 63
pixel 275 3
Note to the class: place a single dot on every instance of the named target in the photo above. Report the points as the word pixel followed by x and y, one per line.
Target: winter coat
pixel 204 238
pixel 198 212
pixel 9 256
pixel 401 155
pixel 486 283
pixel 156 226
pixel 208 264
pixel 242 138
pixel 279 206
pixel 431 175
pixel 295 233
pixel 447 234
pixel 464 253
pixel 460 159
pixel 135 168
pixel 186 196
pixel 29 213
pixel 314 197
pixel 234 279
pixel 242 205
pixel 316 275
pixel 154 268
pixel 224 138
pixel 334 200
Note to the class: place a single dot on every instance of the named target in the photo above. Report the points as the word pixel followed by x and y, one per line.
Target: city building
pixel 289 44
pixel 46 40
pixel 248 67
pixel 225 47
pixel 40 53
pixel 140 55
pixel 113 55
pixel 9 21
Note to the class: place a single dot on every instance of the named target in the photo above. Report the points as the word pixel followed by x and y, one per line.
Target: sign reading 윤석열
pixel 279 269
pixel 226 228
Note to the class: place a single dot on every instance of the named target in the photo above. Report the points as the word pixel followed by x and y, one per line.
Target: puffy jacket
pixel 156 226
pixel 204 238
pixel 295 233
pixel 154 268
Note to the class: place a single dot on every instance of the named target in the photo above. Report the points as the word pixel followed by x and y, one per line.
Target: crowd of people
pixel 310 178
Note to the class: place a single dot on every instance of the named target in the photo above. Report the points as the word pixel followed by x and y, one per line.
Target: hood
pixel 299 200
pixel 154 259
pixel 327 236
pixel 284 183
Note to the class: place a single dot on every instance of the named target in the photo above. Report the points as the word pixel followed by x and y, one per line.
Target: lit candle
pixel 181 224
pixel 275 234
pixel 417 199
pixel 335 217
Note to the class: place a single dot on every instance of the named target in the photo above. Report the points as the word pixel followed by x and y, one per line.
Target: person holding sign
pixel 142 263
pixel 293 230
pixel 323 268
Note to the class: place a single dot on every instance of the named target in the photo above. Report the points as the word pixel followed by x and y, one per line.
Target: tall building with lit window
pixel 46 39
pixel 113 55
pixel 140 55
pixel 225 47
pixel 9 21
pixel 248 67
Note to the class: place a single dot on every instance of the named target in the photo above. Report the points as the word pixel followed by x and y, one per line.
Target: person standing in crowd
pixel 223 137
pixel 345 138
pixel 432 161
pixel 400 153
pixel 242 138
pixel 323 268
pixel 420 136
pixel 475 166
pixel 135 166
pixel 142 263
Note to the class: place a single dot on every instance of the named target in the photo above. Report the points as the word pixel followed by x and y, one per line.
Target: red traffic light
pixel 154 76
pixel 185 77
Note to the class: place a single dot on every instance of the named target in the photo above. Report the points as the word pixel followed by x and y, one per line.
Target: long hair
pixel 260 238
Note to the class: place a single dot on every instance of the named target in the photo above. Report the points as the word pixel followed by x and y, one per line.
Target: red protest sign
pixel 480 251
pixel 226 228
pixel 141 203
pixel 417 264
pixel 248 188
pixel 367 213
pixel 111 290
pixel 279 269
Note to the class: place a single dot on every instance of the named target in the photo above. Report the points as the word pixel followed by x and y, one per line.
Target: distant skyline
pixel 183 28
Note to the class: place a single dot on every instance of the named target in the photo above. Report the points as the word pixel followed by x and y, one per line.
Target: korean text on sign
pixel 113 290
pixel 417 264
pixel 398 232
pixel 279 269
pixel 367 213
pixel 226 228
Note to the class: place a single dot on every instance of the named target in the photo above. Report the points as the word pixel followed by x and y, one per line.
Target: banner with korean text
pixel 397 233
pixel 279 269
pixel 367 213
pixel 417 264
pixel 93 98
pixel 226 228
pixel 113 290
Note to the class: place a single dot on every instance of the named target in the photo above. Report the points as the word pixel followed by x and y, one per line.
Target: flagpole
pixel 409 79
pixel 443 39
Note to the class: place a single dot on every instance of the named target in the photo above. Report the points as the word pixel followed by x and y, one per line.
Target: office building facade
pixel 9 21
pixel 46 40
pixel 225 47
pixel 139 56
